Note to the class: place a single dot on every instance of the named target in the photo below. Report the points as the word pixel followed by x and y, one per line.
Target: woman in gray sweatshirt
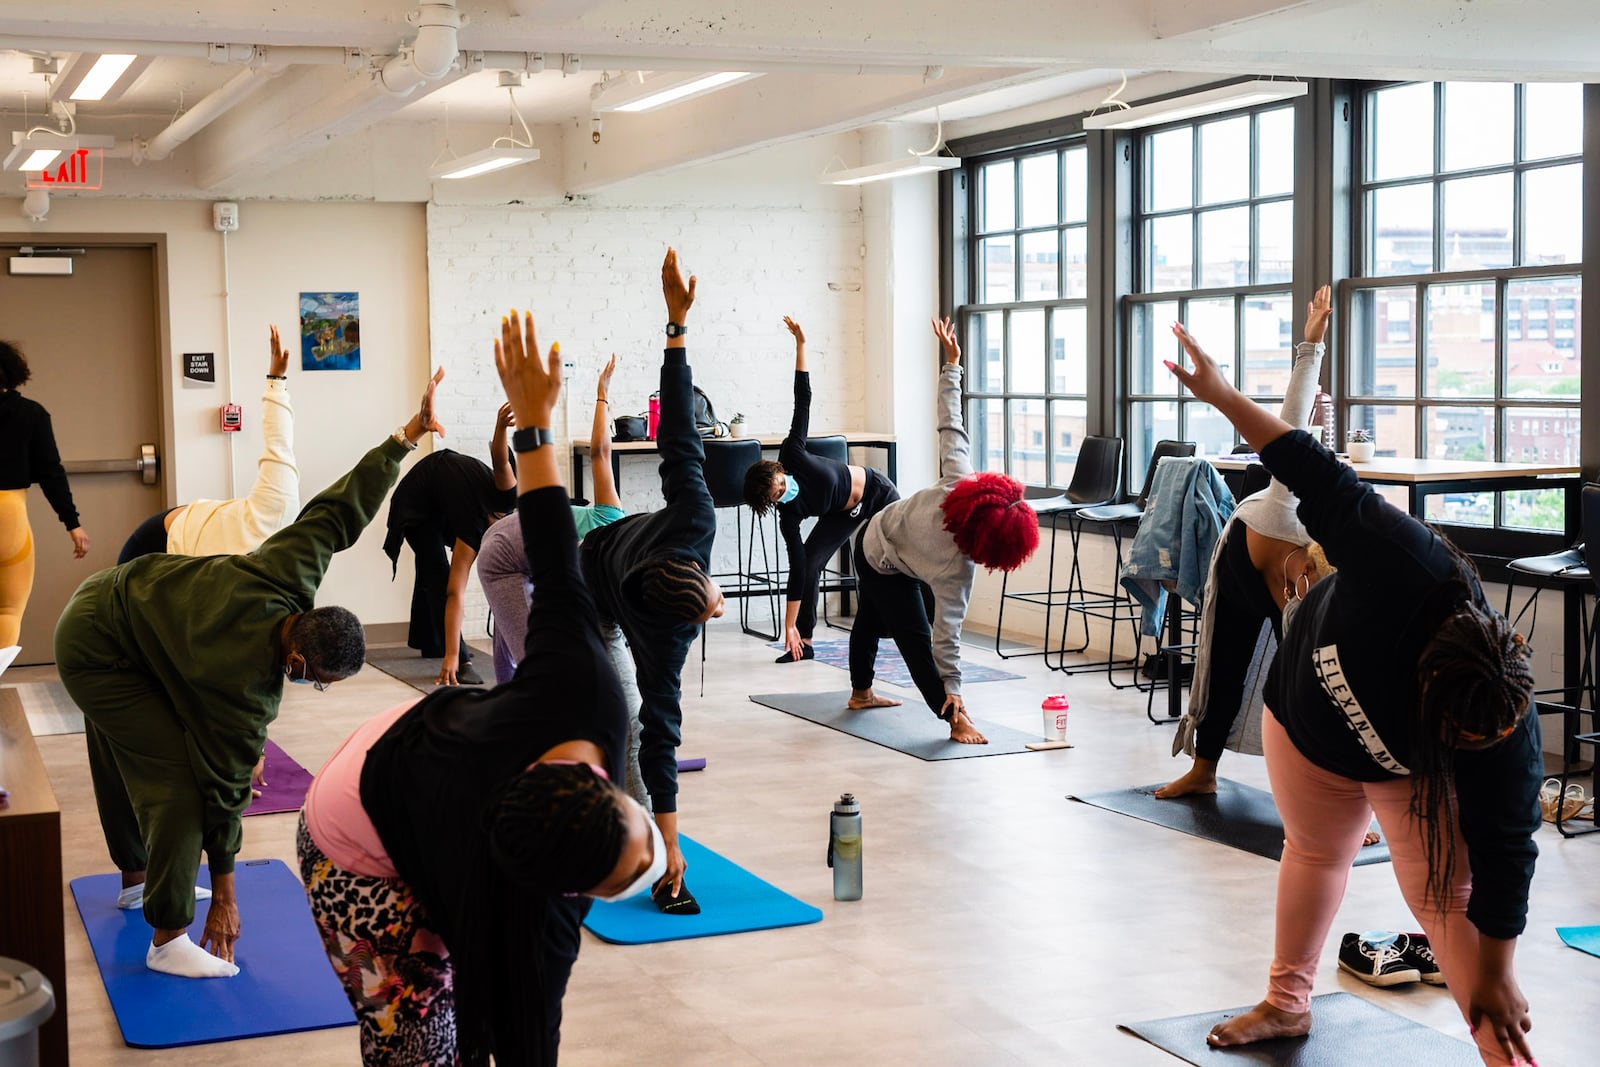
pixel 917 558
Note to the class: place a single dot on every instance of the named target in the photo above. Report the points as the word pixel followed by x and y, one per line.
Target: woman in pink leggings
pixel 1398 691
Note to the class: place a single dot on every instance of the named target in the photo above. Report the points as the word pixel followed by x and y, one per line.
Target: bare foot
pixel 961 729
pixel 1372 838
pixel 1198 781
pixel 1259 1024
pixel 866 698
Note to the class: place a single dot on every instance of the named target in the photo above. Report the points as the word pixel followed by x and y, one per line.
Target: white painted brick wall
pixel 592 277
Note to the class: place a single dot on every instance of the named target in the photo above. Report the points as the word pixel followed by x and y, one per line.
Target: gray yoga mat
pixel 910 728
pixel 405 665
pixel 1239 816
pixel 1345 1030
pixel 49 709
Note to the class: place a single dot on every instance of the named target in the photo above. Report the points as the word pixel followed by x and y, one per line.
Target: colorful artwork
pixel 330 331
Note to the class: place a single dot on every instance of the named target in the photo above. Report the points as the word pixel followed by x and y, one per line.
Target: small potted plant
pixel 736 425
pixel 1360 445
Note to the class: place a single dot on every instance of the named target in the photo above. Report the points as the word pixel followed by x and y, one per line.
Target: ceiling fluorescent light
pixel 483 161
pixel 91 76
pixel 632 94
pixel 877 172
pixel 1194 105
pixel 39 149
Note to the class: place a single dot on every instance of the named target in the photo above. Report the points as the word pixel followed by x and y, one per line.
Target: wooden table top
pixel 1394 470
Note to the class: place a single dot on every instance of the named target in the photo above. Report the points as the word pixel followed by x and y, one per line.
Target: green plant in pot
pixel 1360 445
pixel 736 425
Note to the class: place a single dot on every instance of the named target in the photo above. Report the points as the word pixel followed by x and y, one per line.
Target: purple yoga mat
pixel 693 763
pixel 286 787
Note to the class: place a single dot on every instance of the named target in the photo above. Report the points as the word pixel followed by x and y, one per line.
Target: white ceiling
pixel 997 56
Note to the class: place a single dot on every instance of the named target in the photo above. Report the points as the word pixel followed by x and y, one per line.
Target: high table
pixel 856 439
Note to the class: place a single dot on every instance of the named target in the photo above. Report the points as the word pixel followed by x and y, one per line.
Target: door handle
pixel 145 465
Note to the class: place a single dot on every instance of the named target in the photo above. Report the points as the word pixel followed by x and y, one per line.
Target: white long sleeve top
pixel 232 527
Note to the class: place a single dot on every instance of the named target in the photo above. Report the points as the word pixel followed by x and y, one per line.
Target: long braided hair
pixel 1474 684
pixel 674 589
pixel 555 829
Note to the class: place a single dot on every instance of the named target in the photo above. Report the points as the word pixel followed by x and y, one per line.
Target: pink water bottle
pixel 1055 717
pixel 654 418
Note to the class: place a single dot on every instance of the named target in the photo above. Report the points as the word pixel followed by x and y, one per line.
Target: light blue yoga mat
pixel 732 900
pixel 1582 938
pixel 284 984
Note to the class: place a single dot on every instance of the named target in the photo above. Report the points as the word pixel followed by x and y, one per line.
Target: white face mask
pixel 652 875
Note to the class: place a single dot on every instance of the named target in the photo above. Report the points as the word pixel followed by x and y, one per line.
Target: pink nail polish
pixel 1169 364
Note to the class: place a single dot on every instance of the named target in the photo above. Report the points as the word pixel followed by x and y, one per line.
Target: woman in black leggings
pixel 801 485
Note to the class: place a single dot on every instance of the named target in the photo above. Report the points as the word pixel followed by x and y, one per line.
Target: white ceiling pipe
pixel 210 108
pixel 586 61
pixel 430 55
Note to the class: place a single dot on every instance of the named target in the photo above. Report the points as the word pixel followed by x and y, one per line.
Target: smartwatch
pixel 531 439
pixel 675 330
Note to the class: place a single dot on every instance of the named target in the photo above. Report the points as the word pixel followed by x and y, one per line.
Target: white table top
pixel 1393 470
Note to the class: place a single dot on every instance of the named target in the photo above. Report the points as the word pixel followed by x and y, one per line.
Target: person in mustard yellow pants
pixel 27 455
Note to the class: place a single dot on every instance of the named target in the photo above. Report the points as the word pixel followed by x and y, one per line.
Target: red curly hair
pixel 991 523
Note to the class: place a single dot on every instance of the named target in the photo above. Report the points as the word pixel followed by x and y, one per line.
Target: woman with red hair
pixel 917 559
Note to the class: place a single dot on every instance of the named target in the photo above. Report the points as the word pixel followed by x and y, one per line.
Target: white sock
pixel 184 958
pixel 133 896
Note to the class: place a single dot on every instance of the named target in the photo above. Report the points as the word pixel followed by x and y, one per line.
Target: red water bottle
pixel 1055 717
pixel 654 418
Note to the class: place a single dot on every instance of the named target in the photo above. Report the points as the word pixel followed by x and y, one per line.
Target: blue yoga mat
pixel 1582 938
pixel 284 984
pixel 732 900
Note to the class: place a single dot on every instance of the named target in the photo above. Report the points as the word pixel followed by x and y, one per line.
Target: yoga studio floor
pixel 1001 923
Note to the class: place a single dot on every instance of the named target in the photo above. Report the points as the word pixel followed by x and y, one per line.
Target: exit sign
pixel 82 169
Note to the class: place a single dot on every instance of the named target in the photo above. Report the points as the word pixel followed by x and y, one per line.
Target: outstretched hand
pixel 1205 381
pixel 531 379
pixel 504 420
pixel 680 297
pixel 945 330
pixel 602 389
pixel 278 366
pixel 794 328
pixel 426 419
pixel 1317 314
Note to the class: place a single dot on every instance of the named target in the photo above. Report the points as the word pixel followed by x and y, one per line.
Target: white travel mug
pixel 1055 717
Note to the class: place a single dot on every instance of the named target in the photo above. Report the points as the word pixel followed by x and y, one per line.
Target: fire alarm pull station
pixel 232 418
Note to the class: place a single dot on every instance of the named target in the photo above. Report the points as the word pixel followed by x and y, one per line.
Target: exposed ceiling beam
pixel 308 108
pixel 766 111
pixel 1186 18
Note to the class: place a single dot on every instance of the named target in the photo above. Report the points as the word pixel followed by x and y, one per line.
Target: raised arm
pixel 1299 397
pixel 500 452
pixel 274 499
pixel 299 554
pixel 605 483
pixel 955 447
pixel 683 454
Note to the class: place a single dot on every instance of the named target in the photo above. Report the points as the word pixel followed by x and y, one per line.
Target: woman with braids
pixel 1398 691
pixel 451 845
pixel 801 485
pixel 650 577
pixel 917 559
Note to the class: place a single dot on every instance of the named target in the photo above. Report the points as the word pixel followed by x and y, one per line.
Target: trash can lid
pixel 26 999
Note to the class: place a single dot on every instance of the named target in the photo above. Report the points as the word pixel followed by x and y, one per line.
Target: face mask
pixel 658 863
pixel 305 669
pixel 791 489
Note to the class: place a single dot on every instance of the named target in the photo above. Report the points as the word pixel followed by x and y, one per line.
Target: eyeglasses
pixel 307 676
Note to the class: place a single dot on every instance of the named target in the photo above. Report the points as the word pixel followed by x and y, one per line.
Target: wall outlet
pixel 225 217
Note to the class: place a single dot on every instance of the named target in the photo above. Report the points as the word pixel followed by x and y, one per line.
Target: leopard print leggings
pixel 394 968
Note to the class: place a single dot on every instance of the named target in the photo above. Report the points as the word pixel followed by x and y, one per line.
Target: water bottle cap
pixel 846 804
pixel 1055 702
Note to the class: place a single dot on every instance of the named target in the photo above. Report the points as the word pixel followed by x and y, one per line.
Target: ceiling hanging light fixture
pixel 643 91
pixel 503 152
pixel 93 76
pixel 1194 105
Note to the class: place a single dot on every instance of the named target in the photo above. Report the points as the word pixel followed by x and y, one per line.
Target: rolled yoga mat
pixel 891 669
pixel 909 728
pixel 692 763
pixel 284 984
pixel 1345 1029
pixel 1238 816
pixel 732 901
pixel 1582 938
pixel 286 786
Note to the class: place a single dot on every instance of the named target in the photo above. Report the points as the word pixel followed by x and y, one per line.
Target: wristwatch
pixel 403 441
pixel 675 330
pixel 531 439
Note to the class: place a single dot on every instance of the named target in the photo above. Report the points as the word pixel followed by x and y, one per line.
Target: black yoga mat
pixel 1239 816
pixel 910 728
pixel 1345 1030
pixel 405 665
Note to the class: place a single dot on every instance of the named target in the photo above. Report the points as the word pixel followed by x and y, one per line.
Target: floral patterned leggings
pixel 393 966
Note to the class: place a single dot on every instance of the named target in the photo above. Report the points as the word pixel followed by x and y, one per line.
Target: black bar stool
pixel 1117 518
pixel 1095 479
pixel 726 463
pixel 1573 738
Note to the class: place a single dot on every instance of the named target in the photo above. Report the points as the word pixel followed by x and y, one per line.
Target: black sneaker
pixel 1419 954
pixel 1377 965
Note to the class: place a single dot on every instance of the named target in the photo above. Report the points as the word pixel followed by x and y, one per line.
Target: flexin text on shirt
pixel 1331 675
